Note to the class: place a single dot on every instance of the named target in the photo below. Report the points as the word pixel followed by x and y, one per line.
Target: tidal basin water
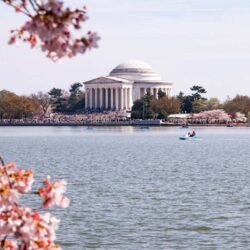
pixel 142 189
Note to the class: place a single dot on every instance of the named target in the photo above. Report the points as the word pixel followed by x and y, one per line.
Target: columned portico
pixel 108 98
pixel 116 97
pixel 126 83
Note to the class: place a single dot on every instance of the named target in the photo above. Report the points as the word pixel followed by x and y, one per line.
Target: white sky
pixel 204 42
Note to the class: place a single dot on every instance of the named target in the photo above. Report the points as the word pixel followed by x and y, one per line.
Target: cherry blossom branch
pixel 25 227
pixel 25 11
pixel 3 241
pixel 33 6
pixel 51 27
pixel 6 171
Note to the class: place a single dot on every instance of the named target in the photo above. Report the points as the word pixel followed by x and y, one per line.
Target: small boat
pixel 187 137
pixel 89 128
pixel 144 127
pixel 230 125
pixel 184 126
pixel 184 137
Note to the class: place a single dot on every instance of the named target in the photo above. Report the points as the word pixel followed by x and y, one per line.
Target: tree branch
pixel 33 6
pixel 37 4
pixel 5 171
pixel 27 13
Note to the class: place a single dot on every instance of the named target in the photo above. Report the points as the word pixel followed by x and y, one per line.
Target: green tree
pixel 198 91
pixel 165 106
pixel 147 110
pixel 213 103
pixel 199 105
pixel 163 115
pixel 13 106
pixel 58 100
pixel 238 104
pixel 42 100
pixel 161 93
pixel 187 100
pixel 76 101
pixel 137 109
pixel 141 108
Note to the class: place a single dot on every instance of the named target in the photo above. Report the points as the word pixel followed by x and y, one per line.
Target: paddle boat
pixel 144 127
pixel 89 128
pixel 187 137
pixel 184 137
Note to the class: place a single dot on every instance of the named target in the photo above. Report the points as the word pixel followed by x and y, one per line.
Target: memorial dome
pixel 135 70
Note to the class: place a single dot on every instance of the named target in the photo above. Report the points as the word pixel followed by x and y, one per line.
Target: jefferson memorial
pixel 126 83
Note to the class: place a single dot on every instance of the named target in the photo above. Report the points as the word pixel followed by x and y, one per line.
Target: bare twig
pixel 37 4
pixel 33 6
pixel 5 171
pixel 26 12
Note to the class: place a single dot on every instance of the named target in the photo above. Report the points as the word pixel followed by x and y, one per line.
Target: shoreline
pixel 121 124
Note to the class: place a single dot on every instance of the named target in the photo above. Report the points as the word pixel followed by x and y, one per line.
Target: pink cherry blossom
pixel 217 114
pixel 13 182
pixel 50 26
pixel 53 193
pixel 239 117
pixel 9 245
pixel 27 228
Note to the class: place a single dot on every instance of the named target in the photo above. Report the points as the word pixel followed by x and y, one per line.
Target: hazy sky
pixel 205 42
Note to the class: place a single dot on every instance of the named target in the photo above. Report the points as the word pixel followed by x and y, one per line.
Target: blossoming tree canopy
pixel 23 228
pixel 217 114
pixel 50 26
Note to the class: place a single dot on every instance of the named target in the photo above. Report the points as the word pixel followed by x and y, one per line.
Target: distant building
pixel 126 83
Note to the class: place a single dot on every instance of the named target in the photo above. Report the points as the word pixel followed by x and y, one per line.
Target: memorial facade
pixel 126 83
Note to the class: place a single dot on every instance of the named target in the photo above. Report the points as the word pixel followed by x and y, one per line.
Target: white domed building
pixel 126 83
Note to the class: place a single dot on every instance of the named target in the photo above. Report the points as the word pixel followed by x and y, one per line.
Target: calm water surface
pixel 138 189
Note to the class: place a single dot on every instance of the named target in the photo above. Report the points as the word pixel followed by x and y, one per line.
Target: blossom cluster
pixel 22 227
pixel 220 115
pixel 50 27
pixel 217 114
pixel 239 117
pixel 53 193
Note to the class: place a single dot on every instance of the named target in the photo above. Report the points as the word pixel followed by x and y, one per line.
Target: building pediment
pixel 107 79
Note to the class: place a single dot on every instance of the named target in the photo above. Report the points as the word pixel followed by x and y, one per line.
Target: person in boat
pixel 192 134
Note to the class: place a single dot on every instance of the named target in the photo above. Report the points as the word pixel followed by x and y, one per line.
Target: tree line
pixel 149 107
pixel 13 106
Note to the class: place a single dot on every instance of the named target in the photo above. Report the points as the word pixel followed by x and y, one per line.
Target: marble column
pixel 154 92
pixel 90 99
pixel 125 98
pixel 96 104
pixel 101 99
pixel 116 99
pixel 122 107
pixel 141 92
pixel 111 98
pixel 158 89
pixel 129 98
pixel 86 98
pixel 107 98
